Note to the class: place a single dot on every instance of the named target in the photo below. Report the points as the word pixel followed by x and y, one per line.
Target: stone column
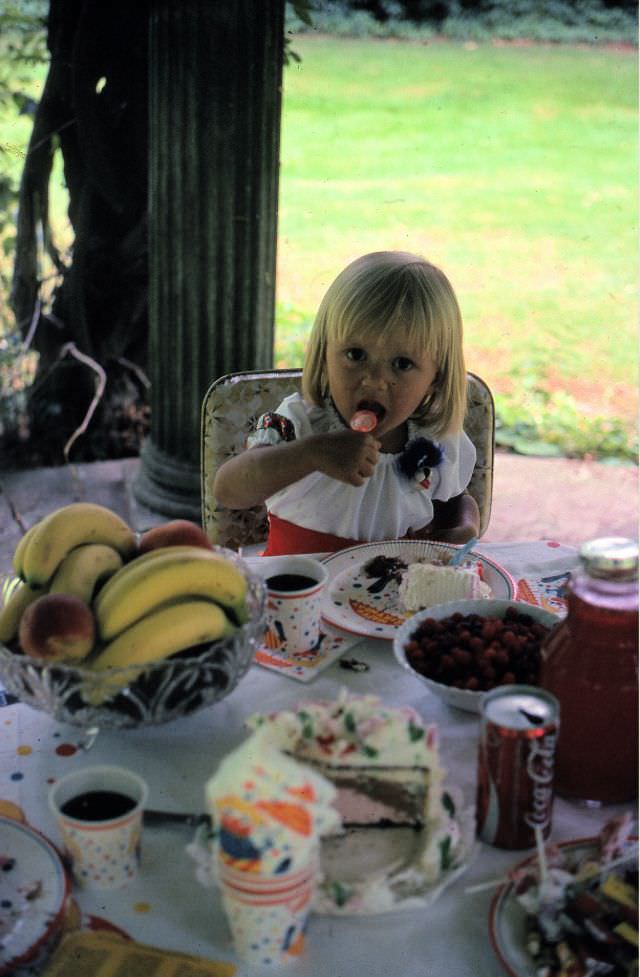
pixel 214 131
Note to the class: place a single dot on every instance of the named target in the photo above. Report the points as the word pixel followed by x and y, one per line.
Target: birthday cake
pixel 399 832
pixel 425 584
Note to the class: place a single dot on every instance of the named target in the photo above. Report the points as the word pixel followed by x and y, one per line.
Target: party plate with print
pixel 363 591
pixel 34 889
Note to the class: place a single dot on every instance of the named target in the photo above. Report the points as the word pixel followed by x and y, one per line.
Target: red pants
pixel 286 537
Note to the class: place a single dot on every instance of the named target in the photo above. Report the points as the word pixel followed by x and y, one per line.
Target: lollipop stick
pixel 542 855
pixel 489 884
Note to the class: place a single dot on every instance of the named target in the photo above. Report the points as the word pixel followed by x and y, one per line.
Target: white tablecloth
pixel 166 907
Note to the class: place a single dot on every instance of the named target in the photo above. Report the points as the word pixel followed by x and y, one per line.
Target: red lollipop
pixel 364 421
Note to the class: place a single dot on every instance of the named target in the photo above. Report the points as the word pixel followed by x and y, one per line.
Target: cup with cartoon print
pixel 295 590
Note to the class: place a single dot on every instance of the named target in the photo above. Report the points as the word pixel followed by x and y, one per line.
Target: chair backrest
pixel 234 402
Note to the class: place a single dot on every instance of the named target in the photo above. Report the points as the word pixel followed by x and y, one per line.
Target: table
pixel 167 907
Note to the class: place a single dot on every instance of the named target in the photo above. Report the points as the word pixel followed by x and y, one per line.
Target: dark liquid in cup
pixel 290 581
pixel 98 805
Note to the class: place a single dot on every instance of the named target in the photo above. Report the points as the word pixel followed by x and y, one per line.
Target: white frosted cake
pixel 424 584
pixel 398 829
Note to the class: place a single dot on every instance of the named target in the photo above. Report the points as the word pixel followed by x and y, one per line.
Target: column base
pixel 167 484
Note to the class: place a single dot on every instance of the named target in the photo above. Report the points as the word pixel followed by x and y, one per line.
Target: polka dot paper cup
pixel 295 588
pixel 267 914
pixel 99 815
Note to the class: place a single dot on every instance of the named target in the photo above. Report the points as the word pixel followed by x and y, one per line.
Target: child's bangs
pixel 371 318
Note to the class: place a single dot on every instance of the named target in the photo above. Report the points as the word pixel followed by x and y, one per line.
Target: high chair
pixel 234 402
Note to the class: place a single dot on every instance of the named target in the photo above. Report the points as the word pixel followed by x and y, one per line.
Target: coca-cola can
pixel 518 736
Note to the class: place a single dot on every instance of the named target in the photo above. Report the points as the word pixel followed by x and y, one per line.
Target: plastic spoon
pixel 460 554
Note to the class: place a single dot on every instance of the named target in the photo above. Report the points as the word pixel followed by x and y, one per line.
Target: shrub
pixel 568 21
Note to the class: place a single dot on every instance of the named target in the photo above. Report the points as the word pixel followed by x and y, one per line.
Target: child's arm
pixel 248 479
pixel 454 521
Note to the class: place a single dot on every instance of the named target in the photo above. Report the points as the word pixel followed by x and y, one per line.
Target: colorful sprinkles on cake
pixel 359 727
pixel 268 811
pixel 384 763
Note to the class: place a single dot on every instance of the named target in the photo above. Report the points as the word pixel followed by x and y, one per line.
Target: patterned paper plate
pixel 507 922
pixel 34 888
pixel 351 606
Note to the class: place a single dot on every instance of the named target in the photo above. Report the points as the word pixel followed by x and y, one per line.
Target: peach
pixel 177 532
pixel 57 628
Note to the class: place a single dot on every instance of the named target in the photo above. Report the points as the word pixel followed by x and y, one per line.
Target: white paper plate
pixel 34 888
pixel 507 917
pixel 373 871
pixel 348 604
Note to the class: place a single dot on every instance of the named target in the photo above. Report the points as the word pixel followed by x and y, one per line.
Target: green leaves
pixel 415 732
pixel 536 421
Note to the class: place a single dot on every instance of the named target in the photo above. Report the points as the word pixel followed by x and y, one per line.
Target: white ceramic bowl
pixel 461 698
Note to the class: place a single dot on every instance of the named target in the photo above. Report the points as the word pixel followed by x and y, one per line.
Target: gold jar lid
pixel 611 556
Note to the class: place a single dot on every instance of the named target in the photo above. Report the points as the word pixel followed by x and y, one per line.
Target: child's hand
pixel 348 456
pixel 454 521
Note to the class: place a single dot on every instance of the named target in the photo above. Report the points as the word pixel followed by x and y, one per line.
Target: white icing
pixel 359 732
pixel 424 584
pixel 275 804
pixel 354 730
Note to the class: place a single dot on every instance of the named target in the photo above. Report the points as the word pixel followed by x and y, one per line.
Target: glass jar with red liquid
pixel 590 663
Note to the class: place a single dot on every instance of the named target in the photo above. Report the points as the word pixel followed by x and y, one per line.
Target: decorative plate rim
pixel 503 895
pixel 55 915
pixel 338 562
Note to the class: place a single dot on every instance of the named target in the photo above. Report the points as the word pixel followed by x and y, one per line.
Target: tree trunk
pixel 94 105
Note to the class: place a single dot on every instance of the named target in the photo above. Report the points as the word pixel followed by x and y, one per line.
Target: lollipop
pixel 364 421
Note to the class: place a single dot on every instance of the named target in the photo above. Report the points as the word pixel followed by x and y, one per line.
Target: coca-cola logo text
pixel 540 761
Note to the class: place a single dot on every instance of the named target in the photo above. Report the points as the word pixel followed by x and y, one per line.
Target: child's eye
pixel 355 354
pixel 403 363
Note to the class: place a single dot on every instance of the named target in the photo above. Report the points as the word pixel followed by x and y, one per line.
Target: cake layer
pixel 381 796
pixel 424 585
pixel 382 754
pixel 397 829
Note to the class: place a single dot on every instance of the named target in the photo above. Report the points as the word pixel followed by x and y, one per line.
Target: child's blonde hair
pixel 378 293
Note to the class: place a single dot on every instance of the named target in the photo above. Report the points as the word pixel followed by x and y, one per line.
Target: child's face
pixel 379 373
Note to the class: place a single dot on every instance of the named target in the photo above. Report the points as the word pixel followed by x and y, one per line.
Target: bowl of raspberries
pixel 462 649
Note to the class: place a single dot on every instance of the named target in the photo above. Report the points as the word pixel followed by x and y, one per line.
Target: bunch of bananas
pixel 145 603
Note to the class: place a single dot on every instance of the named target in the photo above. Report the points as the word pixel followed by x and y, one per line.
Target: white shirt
pixel 388 505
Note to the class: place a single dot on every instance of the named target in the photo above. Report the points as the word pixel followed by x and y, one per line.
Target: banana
pixel 18 599
pixel 165 631
pixel 18 554
pixel 146 583
pixel 185 549
pixel 83 568
pixel 68 527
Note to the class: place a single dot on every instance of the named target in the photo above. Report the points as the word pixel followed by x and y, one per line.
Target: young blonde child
pixel 387 339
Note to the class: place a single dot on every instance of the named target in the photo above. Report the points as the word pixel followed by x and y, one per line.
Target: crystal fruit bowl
pixel 164 690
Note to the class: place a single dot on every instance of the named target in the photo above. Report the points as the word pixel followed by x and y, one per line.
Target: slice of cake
pixel 399 832
pixel 424 584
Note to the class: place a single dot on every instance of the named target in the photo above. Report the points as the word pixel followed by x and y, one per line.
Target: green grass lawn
pixel 512 167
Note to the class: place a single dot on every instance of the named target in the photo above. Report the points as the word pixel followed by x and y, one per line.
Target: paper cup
pixel 267 914
pixel 295 588
pixel 99 814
